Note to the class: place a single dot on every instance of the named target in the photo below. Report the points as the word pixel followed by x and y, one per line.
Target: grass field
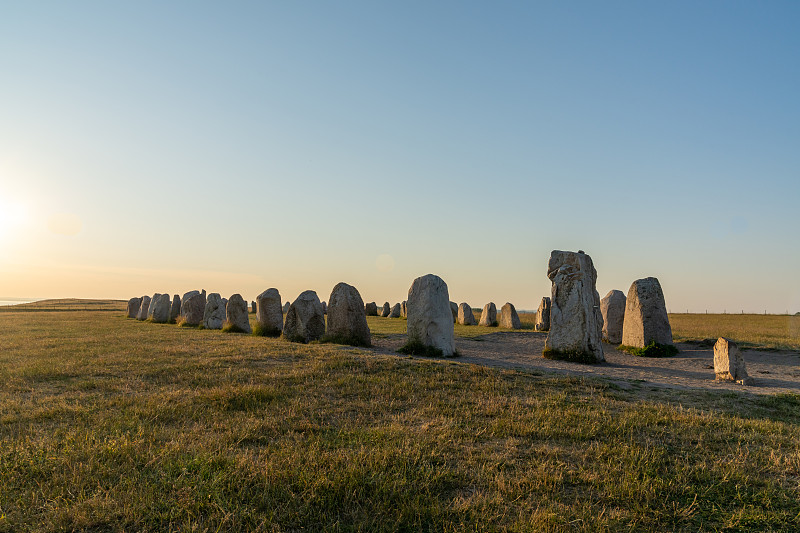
pixel 112 424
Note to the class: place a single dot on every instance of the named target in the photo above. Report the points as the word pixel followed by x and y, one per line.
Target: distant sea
pixel 15 301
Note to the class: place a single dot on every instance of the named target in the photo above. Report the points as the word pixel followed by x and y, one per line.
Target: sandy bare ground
pixel 692 368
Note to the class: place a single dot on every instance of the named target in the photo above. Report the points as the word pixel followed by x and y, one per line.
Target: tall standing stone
pixel 509 318
pixel 143 309
pixel 489 315
pixel 465 316
pixel 133 307
pixel 193 306
pixel 286 307
pixel 236 314
pixel 347 319
pixel 729 363
pixel 646 319
pixel 454 310
pixel 253 307
pixel 430 319
pixel 371 309
pixel 543 315
pixel 324 308
pixel 152 307
pixel 214 314
pixel 269 314
pixel 159 308
pixel 385 310
pixel 175 308
pixel 612 307
pixel 395 312
pixel 575 320
pixel 304 320
pixel 403 309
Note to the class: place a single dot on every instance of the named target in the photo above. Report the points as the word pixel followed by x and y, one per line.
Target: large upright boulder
pixel 465 316
pixel 269 314
pixel 646 319
pixel 371 309
pixel 143 308
pixel 543 315
pixel 454 310
pixel 304 319
pixel 386 310
pixel 236 316
pixel 575 320
pixel 430 319
pixel 509 318
pixel 175 308
pixel 489 315
pixel 612 307
pixel 133 307
pixel 214 314
pixel 395 312
pixel 729 363
pixel 193 306
pixel 159 308
pixel 347 319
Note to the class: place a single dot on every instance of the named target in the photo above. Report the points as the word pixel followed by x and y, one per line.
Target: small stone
pixel 385 310
pixel 465 315
pixel 489 315
pixel 404 309
pixel 133 307
pixel 286 307
pixel 372 309
pixel 543 315
pixel 729 363
pixel 175 308
pixel 612 307
pixel 304 320
pixel 454 310
pixel 509 318
pixel 253 308
pixel 324 308
pixel 395 312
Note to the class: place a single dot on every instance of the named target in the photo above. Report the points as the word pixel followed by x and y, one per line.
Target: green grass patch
pixel 264 331
pixel 230 327
pixel 573 356
pixel 653 349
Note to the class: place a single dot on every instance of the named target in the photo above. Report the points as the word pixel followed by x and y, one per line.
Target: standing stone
pixel 324 308
pixel 236 314
pixel 509 318
pixel 543 315
pixel 395 312
pixel 133 307
pixel 403 309
pixel 269 314
pixel 253 307
pixel 612 307
pixel 304 320
pixel 214 314
pixel 372 309
pixel 454 310
pixel 159 308
pixel 646 319
pixel 142 314
pixel 193 307
pixel 729 363
pixel 347 319
pixel 575 320
pixel 465 316
pixel 175 308
pixel 430 319
pixel 286 307
pixel 489 315
pixel 385 310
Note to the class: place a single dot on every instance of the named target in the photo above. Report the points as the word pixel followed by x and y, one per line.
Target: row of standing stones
pixel 575 318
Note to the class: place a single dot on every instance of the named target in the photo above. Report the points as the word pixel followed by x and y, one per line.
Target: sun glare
pixel 13 215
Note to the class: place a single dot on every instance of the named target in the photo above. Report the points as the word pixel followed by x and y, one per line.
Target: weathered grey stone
pixel 729 363
pixel 575 320
pixel 489 315
pixel 143 309
pixel 395 312
pixel 372 309
pixel 385 310
pixel 543 315
pixel 430 319
pixel 304 320
pixel 236 314
pixel 508 317
pixel 324 308
pixel 454 310
pixel 133 307
pixel 646 319
pixel 253 308
pixel 269 314
pixel 193 306
pixel 159 308
pixel 403 309
pixel 286 307
pixel 175 308
pixel 465 316
pixel 612 307
pixel 347 319
pixel 214 314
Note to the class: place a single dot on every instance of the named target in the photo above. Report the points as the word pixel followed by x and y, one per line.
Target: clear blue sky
pixel 243 145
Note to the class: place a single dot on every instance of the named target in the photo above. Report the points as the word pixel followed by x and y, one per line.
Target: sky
pixel 167 146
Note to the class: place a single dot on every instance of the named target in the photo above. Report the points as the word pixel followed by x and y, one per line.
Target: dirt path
pixel 692 368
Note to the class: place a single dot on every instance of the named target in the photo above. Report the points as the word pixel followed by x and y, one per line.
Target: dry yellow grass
pixel 756 331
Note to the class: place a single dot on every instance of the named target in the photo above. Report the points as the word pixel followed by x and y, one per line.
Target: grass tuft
pixel 263 331
pixel 573 356
pixel 653 349
pixel 230 327
pixel 418 348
